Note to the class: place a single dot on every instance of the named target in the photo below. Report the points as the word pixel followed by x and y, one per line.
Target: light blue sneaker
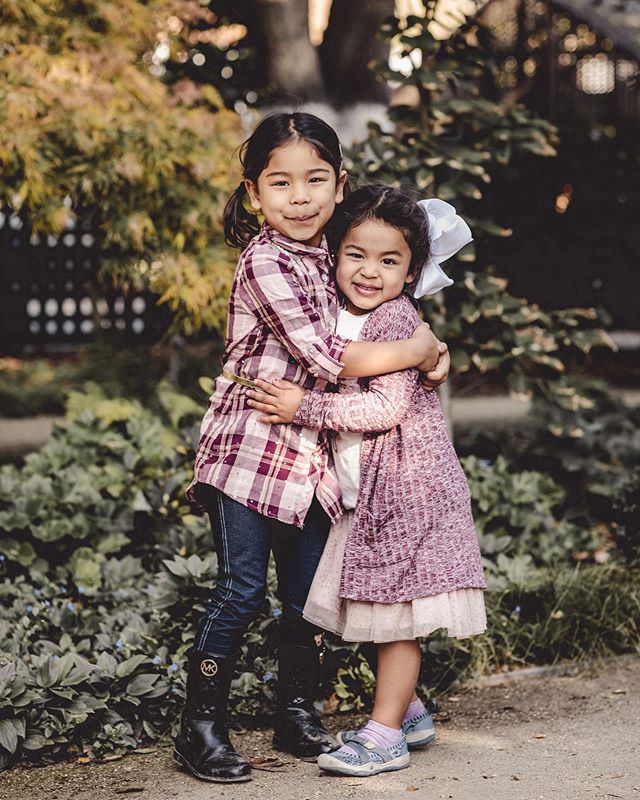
pixel 418 730
pixel 368 759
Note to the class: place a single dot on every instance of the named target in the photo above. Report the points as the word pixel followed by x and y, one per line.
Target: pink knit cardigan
pixel 412 534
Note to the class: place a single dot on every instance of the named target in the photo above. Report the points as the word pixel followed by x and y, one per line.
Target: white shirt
pixel 347 445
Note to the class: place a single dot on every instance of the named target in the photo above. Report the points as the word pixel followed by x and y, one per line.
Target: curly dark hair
pixel 394 207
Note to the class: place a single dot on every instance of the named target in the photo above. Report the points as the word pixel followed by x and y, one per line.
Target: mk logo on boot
pixel 208 667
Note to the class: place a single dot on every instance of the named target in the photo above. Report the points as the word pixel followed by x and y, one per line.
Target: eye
pixel 280 183
pixel 353 255
pixel 389 262
pixel 317 180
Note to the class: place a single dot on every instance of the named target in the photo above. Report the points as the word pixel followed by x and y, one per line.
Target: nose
pixel 369 269
pixel 299 194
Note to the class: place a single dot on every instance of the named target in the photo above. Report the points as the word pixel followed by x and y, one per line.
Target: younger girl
pixel 405 561
pixel 264 487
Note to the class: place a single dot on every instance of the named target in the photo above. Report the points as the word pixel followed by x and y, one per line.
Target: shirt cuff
pixel 325 357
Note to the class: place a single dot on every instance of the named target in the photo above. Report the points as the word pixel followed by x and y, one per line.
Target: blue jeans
pixel 243 539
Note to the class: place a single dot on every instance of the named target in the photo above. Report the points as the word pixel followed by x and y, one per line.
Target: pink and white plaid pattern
pixel 282 316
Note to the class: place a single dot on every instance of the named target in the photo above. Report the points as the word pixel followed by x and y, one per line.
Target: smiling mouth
pixel 307 218
pixel 366 290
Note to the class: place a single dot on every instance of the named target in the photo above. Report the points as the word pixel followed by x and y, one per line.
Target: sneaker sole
pixel 420 738
pixel 330 764
pixel 186 765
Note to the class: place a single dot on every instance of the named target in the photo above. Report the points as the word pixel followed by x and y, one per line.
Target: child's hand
pixel 428 344
pixel 440 372
pixel 280 400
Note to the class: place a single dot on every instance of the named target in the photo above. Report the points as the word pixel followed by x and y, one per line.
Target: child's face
pixel 373 265
pixel 297 192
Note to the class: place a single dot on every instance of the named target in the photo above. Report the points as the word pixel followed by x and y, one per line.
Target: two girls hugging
pixel 358 492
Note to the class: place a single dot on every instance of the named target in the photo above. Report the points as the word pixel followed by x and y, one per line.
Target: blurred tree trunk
pixel 350 44
pixel 293 63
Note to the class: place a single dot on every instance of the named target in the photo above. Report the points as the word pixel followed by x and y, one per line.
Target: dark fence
pixel 50 298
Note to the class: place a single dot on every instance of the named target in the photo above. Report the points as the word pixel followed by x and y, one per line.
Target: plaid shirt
pixel 282 315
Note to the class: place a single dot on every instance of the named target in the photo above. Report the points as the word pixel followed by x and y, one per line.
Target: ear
pixel 410 278
pixel 254 197
pixel 342 179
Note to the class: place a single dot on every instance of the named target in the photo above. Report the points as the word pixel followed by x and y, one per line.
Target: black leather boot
pixel 297 728
pixel 203 746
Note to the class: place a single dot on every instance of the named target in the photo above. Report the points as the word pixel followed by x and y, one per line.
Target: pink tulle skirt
pixel 461 612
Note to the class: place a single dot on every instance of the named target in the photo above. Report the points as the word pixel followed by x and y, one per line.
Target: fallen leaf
pixel 515 777
pixel 454 698
pixel 412 788
pixel 540 736
pixel 619 691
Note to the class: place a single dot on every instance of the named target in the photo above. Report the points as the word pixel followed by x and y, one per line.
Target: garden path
pixel 19 436
pixel 572 737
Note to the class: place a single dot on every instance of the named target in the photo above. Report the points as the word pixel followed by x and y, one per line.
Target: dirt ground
pixel 575 737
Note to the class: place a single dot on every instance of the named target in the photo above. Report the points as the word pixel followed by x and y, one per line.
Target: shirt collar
pixel 320 254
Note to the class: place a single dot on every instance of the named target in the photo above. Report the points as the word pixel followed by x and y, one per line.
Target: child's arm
pixel 381 407
pixel 268 288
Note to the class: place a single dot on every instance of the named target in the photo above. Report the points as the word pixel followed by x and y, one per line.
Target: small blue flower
pixel 29 609
pixel 517 609
pixel 2 557
pixel 71 606
pixel 268 676
pixel 46 603
pixel 119 645
pixel 173 668
pixel 277 612
pixel 37 592
pixel 156 660
pixel 80 589
pixel 173 689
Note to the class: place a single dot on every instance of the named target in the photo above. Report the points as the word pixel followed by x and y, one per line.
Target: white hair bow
pixel 448 233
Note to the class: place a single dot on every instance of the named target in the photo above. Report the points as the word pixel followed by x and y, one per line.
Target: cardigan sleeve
pixel 386 400
pixel 379 408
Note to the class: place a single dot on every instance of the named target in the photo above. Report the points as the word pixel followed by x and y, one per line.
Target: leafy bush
pixel 105 570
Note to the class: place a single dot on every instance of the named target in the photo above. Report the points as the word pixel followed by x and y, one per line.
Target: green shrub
pixel 105 570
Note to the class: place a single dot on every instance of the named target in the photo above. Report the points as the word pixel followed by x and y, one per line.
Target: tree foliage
pixel 87 132
pixel 451 135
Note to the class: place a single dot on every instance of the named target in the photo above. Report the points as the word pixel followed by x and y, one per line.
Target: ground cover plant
pixel 104 570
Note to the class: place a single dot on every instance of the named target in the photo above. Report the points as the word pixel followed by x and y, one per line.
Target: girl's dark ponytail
pixel 240 225
pixel 275 130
